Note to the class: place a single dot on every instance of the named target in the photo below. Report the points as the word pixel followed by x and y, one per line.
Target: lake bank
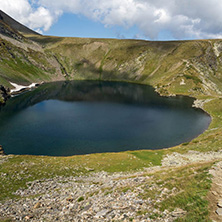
pixel 110 116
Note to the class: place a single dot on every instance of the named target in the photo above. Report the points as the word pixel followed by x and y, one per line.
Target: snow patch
pixel 182 82
pixel 20 87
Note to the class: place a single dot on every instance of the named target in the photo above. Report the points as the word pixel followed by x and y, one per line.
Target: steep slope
pixel 25 62
pixel 16 25
pixel 22 60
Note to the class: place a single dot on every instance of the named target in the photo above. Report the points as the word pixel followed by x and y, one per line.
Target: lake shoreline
pixel 108 84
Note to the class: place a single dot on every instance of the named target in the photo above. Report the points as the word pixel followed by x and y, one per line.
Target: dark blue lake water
pixel 81 117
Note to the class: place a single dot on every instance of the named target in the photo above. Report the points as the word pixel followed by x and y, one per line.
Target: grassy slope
pixel 160 64
pixel 25 65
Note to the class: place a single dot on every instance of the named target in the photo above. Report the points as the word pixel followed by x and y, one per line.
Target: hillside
pixel 179 183
pixel 177 67
pixel 161 64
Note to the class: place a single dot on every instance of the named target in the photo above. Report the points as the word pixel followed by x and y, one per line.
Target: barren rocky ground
pixel 102 196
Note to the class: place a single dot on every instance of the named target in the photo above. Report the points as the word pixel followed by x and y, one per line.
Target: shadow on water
pixel 96 91
pixel 79 117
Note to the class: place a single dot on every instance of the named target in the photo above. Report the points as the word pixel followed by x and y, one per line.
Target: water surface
pixel 81 117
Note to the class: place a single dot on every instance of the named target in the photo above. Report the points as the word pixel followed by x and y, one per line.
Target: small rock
pixel 219 211
pixel 122 217
pixel 87 207
pixel 28 217
pixel 89 169
pixel 102 213
pixel 139 202
pixel 70 199
pixel 96 209
pixel 178 212
pixel 37 205
pixel 219 204
pixel 214 193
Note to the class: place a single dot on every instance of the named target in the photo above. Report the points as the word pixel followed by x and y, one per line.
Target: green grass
pixel 152 157
pixel 194 78
pixel 192 190
pixel 80 199
pixel 24 66
pixel 187 186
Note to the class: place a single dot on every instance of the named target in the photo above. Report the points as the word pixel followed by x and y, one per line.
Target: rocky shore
pixel 1 151
pixel 200 103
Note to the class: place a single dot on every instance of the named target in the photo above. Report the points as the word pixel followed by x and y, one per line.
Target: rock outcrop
pixel 4 94
pixel 1 151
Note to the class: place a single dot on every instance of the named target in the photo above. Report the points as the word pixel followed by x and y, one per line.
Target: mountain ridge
pixel 16 25
pixel 172 67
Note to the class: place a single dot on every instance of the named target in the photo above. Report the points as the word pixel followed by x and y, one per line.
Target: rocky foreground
pixel 63 199
pixel 100 196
